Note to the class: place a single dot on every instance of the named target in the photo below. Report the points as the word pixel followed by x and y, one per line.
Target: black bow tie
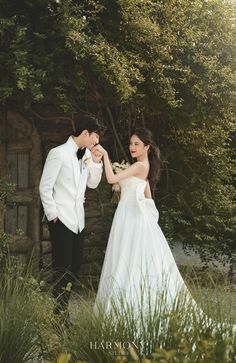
pixel 80 153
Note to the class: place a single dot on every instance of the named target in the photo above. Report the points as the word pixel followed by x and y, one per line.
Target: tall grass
pixel 148 330
pixel 184 332
pixel 28 329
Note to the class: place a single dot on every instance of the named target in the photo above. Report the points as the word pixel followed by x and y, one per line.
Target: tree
pixel 167 65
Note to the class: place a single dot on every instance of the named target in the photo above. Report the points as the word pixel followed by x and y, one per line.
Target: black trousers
pixel 67 254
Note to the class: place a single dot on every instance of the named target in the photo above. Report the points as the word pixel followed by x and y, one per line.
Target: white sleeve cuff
pixel 96 165
pixel 51 216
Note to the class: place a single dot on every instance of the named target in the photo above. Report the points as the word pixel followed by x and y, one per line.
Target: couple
pixel 137 253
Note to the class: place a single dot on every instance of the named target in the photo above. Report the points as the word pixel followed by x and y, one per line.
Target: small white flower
pixel 116 187
pixel 86 160
pixel 117 167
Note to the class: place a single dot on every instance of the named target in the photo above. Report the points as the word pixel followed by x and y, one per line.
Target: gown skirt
pixel 138 265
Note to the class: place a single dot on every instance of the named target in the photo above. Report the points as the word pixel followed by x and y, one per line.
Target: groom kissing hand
pixel 68 170
pixel 96 156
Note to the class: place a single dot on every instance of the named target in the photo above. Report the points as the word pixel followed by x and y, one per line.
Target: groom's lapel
pixel 76 170
pixel 83 177
pixel 84 171
pixel 74 163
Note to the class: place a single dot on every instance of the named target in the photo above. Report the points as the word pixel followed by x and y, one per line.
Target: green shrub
pixel 28 327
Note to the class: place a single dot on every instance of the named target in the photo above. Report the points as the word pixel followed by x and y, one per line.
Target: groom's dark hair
pixel 87 122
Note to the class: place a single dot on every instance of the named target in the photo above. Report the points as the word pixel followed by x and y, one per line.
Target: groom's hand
pixel 96 155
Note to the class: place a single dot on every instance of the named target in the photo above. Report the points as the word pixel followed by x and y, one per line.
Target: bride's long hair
pixel 154 155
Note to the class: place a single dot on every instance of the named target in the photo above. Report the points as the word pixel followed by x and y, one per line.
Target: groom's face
pixel 91 140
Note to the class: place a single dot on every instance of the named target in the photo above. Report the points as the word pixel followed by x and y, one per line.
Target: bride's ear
pixel 147 148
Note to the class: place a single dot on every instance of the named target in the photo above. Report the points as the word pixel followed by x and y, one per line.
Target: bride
pixel 138 263
pixel 138 260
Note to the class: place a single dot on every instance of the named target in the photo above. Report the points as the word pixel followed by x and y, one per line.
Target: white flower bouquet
pixel 117 168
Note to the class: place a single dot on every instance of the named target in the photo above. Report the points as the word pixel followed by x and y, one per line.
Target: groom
pixel 69 168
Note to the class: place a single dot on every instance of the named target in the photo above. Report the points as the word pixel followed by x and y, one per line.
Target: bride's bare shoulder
pixel 140 164
pixel 141 169
pixel 143 166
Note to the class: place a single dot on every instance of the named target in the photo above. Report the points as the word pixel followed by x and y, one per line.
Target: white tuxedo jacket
pixel 63 184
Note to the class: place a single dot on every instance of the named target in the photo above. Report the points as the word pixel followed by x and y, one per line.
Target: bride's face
pixel 136 147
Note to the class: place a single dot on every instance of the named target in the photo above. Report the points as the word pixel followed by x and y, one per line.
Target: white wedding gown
pixel 138 263
pixel 139 273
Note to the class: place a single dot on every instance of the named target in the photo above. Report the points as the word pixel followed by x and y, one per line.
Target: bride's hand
pixel 100 149
pixel 96 156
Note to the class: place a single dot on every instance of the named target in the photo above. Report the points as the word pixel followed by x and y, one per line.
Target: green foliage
pixel 6 187
pixel 164 64
pixel 4 243
pixel 35 65
pixel 28 326
pixel 153 334
pixel 31 332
